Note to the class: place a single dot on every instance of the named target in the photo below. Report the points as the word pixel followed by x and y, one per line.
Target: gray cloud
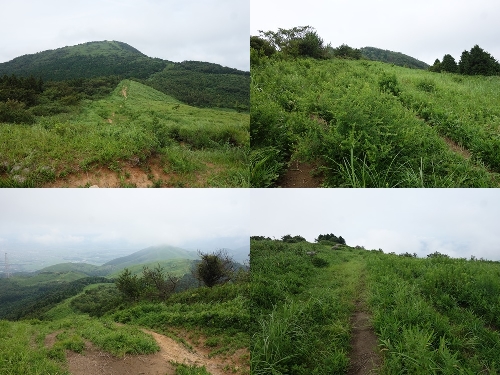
pixel 458 222
pixel 139 218
pixel 206 30
pixel 426 29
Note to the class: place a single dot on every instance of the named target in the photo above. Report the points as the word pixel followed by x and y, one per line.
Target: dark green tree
pixel 346 52
pixel 262 46
pixel 449 64
pixel 215 268
pixel 436 67
pixel 478 62
pixel 129 285
pixel 297 41
pixel 157 284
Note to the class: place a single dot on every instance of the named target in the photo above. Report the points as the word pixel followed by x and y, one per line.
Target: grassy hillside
pixel 370 124
pixel 136 136
pixel 195 83
pixel 152 254
pixel 87 60
pixel 431 316
pixel 206 324
pixel 204 84
pixel 396 58
pixel 175 267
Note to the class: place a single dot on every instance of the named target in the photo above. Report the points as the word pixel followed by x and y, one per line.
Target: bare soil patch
pixel 94 361
pixel 129 175
pixel 300 175
pixel 365 356
pixel 455 147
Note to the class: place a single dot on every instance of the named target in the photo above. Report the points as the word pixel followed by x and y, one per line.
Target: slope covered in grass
pixel 135 131
pixel 433 315
pixel 370 124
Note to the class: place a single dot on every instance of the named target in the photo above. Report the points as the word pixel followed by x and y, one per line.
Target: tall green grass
pixel 119 132
pixel 366 125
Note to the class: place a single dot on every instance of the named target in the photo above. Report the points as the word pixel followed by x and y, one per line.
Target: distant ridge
pixel 86 60
pixel 396 58
pixel 196 83
pixel 152 254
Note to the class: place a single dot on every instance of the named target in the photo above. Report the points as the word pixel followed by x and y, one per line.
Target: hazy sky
pixel 78 218
pixel 205 30
pixel 457 222
pixel 425 29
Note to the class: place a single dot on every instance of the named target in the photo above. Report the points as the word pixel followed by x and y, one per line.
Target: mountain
pixel 196 83
pixel 152 254
pixel 87 60
pixel 396 58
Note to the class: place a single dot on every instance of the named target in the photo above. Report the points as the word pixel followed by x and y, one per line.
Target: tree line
pixel 474 62
pixel 300 41
pixel 288 238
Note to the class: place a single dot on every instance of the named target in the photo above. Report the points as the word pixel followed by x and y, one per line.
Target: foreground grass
pixel 300 309
pixel 370 124
pixel 201 147
pixel 432 316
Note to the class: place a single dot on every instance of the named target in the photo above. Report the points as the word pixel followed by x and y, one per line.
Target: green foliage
pixel 478 62
pixel 30 301
pixel 298 41
pixel 144 125
pixel 97 301
pixel 182 369
pixel 330 237
pixel 373 125
pixel 87 60
pixel 129 285
pixel 391 57
pixel 346 52
pixel 433 315
pixel 215 268
pixel 300 312
pixel 292 239
pixel 204 85
pixel 19 355
pixel 449 64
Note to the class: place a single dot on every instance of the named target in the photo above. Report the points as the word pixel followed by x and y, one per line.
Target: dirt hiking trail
pixel 365 356
pixel 299 175
pixel 94 361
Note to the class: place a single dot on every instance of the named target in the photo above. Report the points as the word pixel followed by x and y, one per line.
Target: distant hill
pixel 391 57
pixel 152 254
pixel 196 83
pixel 84 268
pixel 87 60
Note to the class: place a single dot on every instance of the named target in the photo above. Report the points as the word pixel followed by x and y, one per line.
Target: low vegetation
pixel 135 129
pixel 111 317
pixel 434 315
pixel 369 124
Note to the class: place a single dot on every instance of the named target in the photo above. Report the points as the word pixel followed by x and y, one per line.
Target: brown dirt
pixel 364 353
pixel 365 356
pixel 300 175
pixel 97 362
pixel 457 148
pixel 124 91
pixel 105 178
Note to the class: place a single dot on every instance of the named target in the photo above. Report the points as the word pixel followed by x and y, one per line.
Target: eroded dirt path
pixel 365 356
pixel 300 175
pixel 94 361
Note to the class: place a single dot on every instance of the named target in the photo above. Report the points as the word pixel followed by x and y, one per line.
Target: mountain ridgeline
pixel 30 295
pixel 396 58
pixel 192 82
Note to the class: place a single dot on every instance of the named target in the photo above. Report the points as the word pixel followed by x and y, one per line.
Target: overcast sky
pixel 425 29
pixel 205 30
pixel 457 222
pixel 137 218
